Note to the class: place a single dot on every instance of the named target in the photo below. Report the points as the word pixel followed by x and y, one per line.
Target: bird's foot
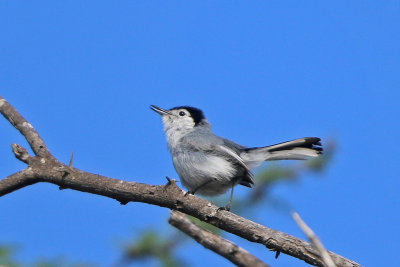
pixel 227 208
pixel 189 193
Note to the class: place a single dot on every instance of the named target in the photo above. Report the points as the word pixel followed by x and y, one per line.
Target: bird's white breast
pixel 195 168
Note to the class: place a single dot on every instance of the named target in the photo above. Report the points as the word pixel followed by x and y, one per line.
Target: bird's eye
pixel 182 113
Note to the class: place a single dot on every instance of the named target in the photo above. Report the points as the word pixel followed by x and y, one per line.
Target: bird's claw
pixel 227 208
pixel 189 193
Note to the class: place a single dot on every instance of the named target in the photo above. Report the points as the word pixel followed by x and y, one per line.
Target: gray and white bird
pixel 210 165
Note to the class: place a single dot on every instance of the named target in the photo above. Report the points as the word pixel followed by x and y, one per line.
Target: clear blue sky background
pixel 85 72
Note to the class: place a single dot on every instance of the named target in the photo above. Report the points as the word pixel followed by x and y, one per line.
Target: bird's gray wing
pixel 236 149
pixel 210 143
pixel 226 151
pixel 232 145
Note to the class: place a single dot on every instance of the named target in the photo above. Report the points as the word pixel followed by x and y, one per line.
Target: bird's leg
pixel 197 188
pixel 228 206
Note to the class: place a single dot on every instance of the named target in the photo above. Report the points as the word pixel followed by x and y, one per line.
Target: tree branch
pixel 45 168
pixel 17 181
pixel 219 245
pixel 25 128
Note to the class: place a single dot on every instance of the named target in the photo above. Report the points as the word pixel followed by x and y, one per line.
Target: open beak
pixel 160 110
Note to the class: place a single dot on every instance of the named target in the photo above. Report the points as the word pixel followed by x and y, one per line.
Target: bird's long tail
pixel 302 148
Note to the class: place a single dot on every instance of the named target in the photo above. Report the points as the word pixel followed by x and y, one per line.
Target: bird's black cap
pixel 196 113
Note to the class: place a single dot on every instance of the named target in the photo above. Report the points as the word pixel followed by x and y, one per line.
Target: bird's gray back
pixel 204 140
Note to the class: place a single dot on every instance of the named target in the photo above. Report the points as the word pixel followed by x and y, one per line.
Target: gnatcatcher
pixel 210 165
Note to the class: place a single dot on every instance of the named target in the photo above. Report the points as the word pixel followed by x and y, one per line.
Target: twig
pixel 25 128
pixel 45 168
pixel 219 245
pixel 314 240
pixel 20 153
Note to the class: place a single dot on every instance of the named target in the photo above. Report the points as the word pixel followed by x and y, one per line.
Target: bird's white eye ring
pixel 182 113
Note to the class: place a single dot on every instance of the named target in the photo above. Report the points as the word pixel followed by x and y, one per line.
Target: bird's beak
pixel 160 110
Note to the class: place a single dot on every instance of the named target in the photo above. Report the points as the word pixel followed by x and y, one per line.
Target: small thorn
pixel 170 181
pixel 70 159
pixel 123 202
pixel 277 254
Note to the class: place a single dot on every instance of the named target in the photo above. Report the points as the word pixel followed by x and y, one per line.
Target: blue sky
pixel 85 72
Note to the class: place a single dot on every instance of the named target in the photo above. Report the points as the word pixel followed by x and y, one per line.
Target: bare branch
pixel 25 128
pixel 314 240
pixel 17 181
pixel 219 245
pixel 45 168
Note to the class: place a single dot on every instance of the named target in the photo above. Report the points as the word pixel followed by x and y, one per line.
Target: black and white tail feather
pixel 298 149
